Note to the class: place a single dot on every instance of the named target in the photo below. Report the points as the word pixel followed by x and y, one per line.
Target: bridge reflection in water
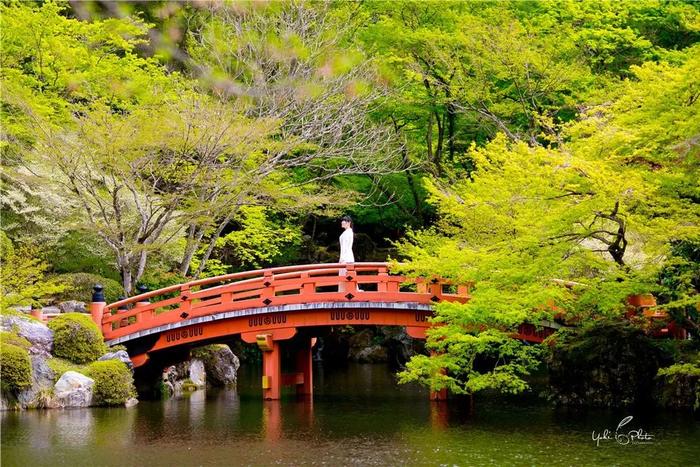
pixel 274 308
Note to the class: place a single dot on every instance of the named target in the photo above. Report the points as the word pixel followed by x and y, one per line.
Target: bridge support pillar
pixel 272 372
pixel 305 367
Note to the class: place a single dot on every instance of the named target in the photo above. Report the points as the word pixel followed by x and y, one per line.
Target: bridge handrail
pixel 238 275
pixel 247 289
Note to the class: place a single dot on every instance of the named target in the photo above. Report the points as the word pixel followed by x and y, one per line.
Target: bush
pixel 76 338
pixel 79 287
pixel 11 338
pixel 114 383
pixel 16 368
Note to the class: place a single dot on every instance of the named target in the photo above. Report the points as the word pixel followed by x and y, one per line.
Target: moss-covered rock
pixel 220 364
pixel 608 364
pixel 16 368
pixel 76 338
pixel 114 384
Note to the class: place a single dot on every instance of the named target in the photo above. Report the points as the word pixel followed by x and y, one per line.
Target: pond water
pixel 359 415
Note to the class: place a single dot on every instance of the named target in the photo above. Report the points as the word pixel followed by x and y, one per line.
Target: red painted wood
pixel 253 289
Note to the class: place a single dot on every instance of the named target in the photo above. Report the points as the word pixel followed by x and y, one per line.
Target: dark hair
pixel 347 219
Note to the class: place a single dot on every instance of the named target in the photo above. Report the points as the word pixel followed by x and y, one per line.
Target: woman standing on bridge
pixel 346 255
pixel 346 239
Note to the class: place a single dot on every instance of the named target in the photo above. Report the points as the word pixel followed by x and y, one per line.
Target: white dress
pixel 346 255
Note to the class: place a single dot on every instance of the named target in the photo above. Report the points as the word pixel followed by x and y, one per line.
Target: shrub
pixel 79 287
pixel 77 338
pixel 114 383
pixel 11 338
pixel 16 368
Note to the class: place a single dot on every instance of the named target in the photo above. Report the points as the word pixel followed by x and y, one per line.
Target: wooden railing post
pixel 98 305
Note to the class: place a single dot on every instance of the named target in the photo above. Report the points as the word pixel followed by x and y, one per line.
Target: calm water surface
pixel 358 416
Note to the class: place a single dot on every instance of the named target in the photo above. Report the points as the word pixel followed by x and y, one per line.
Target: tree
pixel 602 212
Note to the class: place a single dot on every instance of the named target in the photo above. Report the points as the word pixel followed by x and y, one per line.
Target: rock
pixel 197 374
pixel 74 390
pixel 51 310
pixel 363 350
pixel 37 333
pixel 23 309
pixel 220 364
pixel 131 402
pixel 372 354
pixel 72 306
pixel 118 355
pixel 40 394
pixel 185 377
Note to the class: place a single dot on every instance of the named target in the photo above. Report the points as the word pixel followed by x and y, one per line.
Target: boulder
pixel 118 355
pixel 363 348
pixel 198 375
pixel 39 395
pixel 131 402
pixel 74 390
pixel 72 306
pixel 220 364
pixel 37 333
pixel 51 310
pixel 185 377
pixel 372 354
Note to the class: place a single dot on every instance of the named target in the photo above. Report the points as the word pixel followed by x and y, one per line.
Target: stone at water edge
pixel 120 355
pixel 197 374
pixel 74 390
pixel 42 382
pixel 131 402
pixel 175 377
pixel 38 334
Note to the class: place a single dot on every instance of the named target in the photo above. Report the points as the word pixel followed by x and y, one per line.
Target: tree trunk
pixel 193 241
pixel 212 243
pixel 429 139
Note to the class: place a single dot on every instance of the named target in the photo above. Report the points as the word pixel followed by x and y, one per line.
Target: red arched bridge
pixel 269 306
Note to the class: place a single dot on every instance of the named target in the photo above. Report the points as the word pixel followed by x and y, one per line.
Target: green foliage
pixel 60 366
pixel 114 383
pixel 77 338
pixel 83 252
pixel 16 368
pixel 79 286
pixel 23 279
pixel 12 338
pixel 467 363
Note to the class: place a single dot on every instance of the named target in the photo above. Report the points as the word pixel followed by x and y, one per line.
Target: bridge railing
pixel 314 283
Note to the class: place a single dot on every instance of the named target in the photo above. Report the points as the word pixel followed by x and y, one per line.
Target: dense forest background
pixel 516 145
